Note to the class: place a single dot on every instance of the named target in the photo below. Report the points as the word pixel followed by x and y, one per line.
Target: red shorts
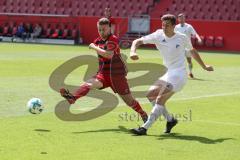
pixel 118 84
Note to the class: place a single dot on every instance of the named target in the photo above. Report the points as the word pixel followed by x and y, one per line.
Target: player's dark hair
pixel 103 21
pixel 169 17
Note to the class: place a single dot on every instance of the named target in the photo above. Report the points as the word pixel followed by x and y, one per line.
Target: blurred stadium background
pixel 74 21
pixel 213 98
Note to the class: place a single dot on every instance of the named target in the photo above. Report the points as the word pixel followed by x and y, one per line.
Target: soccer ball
pixel 35 106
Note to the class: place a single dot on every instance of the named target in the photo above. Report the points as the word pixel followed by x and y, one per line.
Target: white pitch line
pixel 207 96
pixel 216 122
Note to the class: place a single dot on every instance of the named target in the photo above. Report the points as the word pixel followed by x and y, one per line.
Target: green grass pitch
pixel 209 127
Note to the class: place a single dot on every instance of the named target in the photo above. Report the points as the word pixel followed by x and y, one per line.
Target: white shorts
pixel 187 51
pixel 176 77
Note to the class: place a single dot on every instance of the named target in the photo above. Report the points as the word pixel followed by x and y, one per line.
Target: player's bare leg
pixel 158 95
pixel 134 104
pixel 190 66
pixel 189 60
pixel 92 83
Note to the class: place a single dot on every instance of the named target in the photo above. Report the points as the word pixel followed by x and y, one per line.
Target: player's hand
pixel 134 56
pixel 92 45
pixel 200 41
pixel 208 68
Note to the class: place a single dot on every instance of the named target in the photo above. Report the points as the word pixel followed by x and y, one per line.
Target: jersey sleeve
pixel 95 41
pixel 192 30
pixel 187 43
pixel 151 38
pixel 176 28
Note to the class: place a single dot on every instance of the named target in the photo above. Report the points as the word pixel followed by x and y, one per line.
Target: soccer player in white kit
pixel 172 48
pixel 189 31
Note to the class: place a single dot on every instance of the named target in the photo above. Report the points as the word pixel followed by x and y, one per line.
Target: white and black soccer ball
pixel 35 106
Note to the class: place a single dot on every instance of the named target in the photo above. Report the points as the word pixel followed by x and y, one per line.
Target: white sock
pixel 155 113
pixel 165 113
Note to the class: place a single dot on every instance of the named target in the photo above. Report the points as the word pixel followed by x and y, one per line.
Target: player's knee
pixel 87 85
pixel 160 101
pixel 150 95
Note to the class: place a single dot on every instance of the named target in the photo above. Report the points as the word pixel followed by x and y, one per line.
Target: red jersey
pixel 115 65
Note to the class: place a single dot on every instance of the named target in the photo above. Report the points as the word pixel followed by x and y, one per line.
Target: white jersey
pixel 186 29
pixel 172 49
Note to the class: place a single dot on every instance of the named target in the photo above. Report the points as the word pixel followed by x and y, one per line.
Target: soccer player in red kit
pixel 111 73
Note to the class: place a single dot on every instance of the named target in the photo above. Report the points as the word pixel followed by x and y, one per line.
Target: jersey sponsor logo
pixel 110 45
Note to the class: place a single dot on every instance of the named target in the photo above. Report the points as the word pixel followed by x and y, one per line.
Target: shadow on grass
pixel 199 79
pixel 120 129
pixel 174 136
pixel 200 139
pixel 42 130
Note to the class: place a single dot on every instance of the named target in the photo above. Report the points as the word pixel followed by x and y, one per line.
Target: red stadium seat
pixel 31 10
pixel 68 11
pixel 60 11
pixel 218 42
pixel 38 3
pixel 46 10
pixel 182 7
pixel 60 4
pixel 200 15
pixel 52 4
pixel 53 11
pixel 220 2
pixel 67 4
pixel 206 8
pixel 217 9
pixel 2 2
pixel 226 16
pixel 212 2
pixel 2 9
pixel 190 7
pixel 209 42
pixel 38 10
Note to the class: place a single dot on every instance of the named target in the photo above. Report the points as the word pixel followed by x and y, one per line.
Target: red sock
pixel 82 91
pixel 136 107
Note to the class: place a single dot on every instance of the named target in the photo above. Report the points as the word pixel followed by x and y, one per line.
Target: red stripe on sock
pixel 82 91
pixel 136 107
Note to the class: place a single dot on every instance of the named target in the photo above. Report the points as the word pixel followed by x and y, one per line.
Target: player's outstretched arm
pixel 199 39
pixel 197 57
pixel 135 44
pixel 105 53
